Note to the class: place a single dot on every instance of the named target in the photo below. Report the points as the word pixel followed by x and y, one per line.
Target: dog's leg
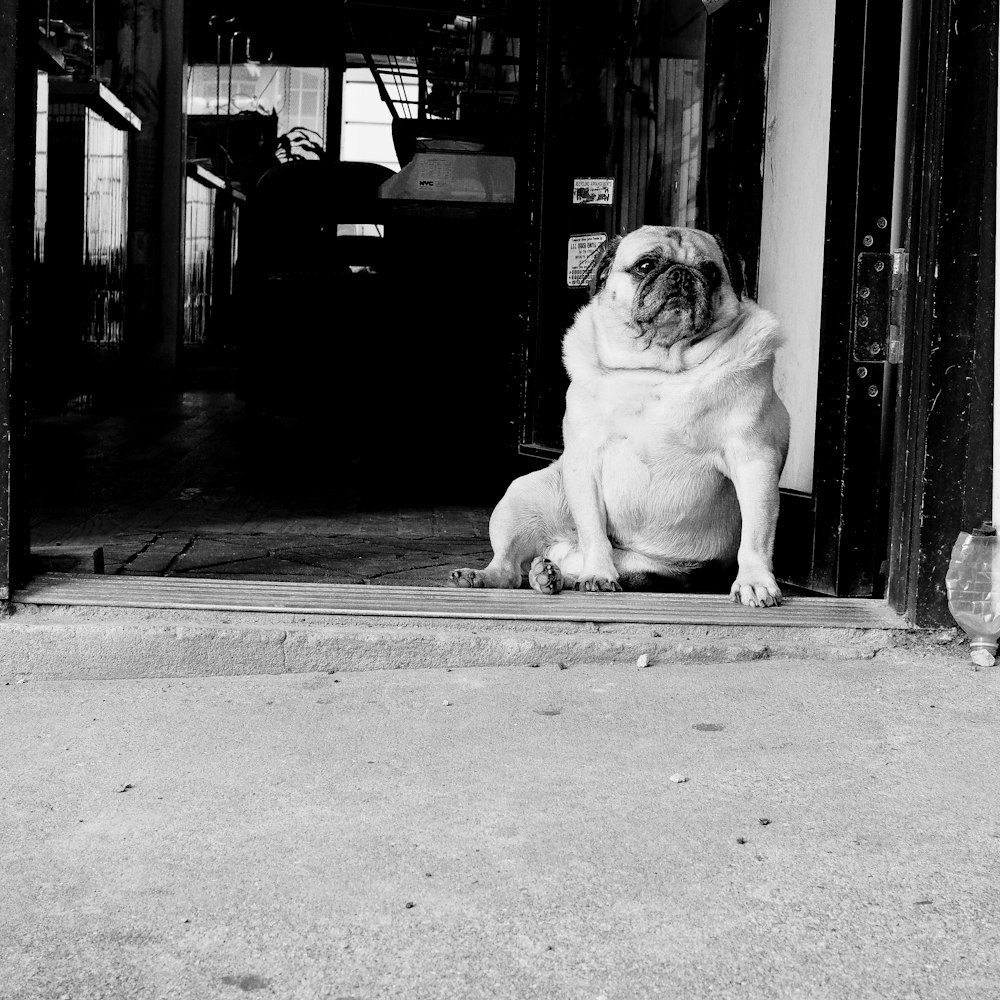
pixel 531 513
pixel 583 495
pixel 756 482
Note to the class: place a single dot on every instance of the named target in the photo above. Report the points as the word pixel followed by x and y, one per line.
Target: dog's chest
pixel 648 417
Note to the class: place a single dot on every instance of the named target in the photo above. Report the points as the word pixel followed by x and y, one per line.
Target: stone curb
pixel 131 643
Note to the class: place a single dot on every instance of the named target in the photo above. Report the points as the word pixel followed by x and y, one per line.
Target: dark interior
pixel 354 405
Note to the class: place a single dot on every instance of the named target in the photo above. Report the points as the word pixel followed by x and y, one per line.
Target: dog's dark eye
pixel 711 272
pixel 643 267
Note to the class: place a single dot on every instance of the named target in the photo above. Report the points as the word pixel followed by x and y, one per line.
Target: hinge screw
pixel 882 222
pixel 873 391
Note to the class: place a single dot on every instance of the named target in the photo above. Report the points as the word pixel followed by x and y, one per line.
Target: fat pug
pixel 674 437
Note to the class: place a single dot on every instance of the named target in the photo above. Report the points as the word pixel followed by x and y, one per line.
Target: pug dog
pixel 674 437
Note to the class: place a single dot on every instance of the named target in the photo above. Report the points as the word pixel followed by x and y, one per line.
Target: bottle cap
pixel 986 528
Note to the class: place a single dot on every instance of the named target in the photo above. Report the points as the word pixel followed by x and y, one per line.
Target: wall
pixel 800 68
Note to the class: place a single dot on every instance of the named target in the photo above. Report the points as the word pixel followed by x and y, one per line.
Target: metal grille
pixel 443 602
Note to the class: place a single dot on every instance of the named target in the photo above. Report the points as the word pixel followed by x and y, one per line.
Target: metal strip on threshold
pixel 444 602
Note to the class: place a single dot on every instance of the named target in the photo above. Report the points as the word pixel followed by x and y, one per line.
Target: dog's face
pixel 666 289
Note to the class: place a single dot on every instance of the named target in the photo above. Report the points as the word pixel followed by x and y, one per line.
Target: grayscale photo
pixel 499 499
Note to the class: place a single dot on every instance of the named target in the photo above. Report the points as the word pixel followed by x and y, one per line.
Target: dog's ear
pixel 599 278
pixel 736 274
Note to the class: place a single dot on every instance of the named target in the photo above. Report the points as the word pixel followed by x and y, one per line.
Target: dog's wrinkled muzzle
pixel 672 304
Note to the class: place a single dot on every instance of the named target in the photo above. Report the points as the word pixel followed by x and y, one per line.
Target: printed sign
pixel 593 190
pixel 435 172
pixel 584 253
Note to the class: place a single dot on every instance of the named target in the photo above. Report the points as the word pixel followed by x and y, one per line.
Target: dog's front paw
pixel 545 576
pixel 597 583
pixel 758 589
pixel 466 578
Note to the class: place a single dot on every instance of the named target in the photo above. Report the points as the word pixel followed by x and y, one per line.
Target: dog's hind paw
pixel 545 576
pixel 466 578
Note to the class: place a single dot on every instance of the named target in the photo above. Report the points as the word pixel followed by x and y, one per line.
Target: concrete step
pixel 67 625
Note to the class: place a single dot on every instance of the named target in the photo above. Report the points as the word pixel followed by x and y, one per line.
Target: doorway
pixel 318 459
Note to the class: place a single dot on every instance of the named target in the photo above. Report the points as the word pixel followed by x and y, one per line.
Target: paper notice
pixel 593 190
pixel 584 253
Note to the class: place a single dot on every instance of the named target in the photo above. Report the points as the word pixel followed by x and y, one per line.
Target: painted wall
pixel 800 71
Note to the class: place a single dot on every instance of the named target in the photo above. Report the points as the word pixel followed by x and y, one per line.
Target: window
pixel 298 95
pixel 366 129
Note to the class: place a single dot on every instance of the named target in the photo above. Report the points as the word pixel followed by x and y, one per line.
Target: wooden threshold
pixel 294 597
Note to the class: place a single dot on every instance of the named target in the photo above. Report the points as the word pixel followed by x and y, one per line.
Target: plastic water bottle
pixel 973 583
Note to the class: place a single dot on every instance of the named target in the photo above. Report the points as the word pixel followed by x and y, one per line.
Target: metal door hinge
pixel 880 307
pixel 897 306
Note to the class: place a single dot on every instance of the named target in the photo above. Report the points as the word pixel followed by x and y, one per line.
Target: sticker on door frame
pixel 582 256
pixel 593 190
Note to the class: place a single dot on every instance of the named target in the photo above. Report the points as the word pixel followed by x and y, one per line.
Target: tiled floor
pixel 189 486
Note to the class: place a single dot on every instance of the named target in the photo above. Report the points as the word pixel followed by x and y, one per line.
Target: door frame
pixel 943 461
pixel 18 60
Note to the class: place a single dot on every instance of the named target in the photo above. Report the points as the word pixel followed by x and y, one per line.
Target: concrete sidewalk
pixel 505 832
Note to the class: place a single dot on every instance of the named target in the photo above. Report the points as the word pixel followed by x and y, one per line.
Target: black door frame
pixel 943 460
pixel 18 60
